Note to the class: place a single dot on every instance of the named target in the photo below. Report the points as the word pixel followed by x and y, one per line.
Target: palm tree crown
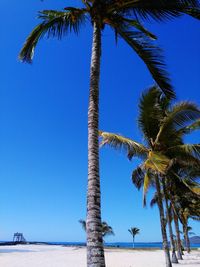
pixel 163 127
pixel 134 231
pixel 124 18
pixel 106 229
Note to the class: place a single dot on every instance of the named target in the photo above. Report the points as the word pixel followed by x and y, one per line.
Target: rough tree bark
pixel 162 223
pixel 95 251
pixel 169 220
pixel 179 245
pixel 186 237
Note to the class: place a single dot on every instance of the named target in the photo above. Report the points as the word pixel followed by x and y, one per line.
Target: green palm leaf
pixel 157 162
pixel 150 113
pixel 190 128
pixel 138 177
pixel 159 10
pixel 151 55
pixel 186 150
pixel 180 115
pixel 120 142
pixel 55 24
pixel 139 27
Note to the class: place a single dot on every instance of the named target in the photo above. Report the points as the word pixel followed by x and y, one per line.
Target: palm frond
pixel 106 229
pixel 190 128
pixel 151 56
pixel 159 10
pixel 193 12
pixel 138 177
pixel 150 113
pixel 157 162
pixel 54 24
pixel 83 224
pixel 136 24
pixel 154 200
pixel 180 115
pixel 120 142
pixel 186 150
pixel 134 231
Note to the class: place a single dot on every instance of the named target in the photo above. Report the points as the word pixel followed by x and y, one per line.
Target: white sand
pixel 58 256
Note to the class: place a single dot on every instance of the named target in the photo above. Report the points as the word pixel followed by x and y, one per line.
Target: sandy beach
pixel 58 256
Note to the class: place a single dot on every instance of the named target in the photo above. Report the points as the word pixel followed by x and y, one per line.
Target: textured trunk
pixel 95 252
pixel 186 237
pixel 169 220
pixel 179 245
pixel 163 223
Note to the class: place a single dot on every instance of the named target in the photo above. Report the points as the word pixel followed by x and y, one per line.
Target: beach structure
pixel 19 238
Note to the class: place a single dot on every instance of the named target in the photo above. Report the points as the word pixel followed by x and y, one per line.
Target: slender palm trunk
pixel 179 245
pixel 186 237
pixel 133 241
pixel 169 220
pixel 163 223
pixel 95 252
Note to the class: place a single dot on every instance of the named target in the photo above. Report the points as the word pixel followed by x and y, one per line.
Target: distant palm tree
pixel 134 231
pixel 106 229
pixel 123 17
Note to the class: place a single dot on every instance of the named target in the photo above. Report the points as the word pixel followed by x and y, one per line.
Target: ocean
pixel 121 244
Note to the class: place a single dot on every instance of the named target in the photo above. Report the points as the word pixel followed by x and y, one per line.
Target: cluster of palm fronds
pixel 106 228
pixel 168 164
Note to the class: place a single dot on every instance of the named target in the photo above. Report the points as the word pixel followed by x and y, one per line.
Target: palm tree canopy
pixel 83 224
pixel 134 231
pixel 124 18
pixel 106 229
pixel 163 126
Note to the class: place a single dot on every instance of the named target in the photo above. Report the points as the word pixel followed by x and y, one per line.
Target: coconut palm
pixel 134 231
pixel 163 127
pixel 123 17
pixel 106 229
pixel 184 196
pixel 187 206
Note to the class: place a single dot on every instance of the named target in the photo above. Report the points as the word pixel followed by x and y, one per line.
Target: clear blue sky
pixel 43 125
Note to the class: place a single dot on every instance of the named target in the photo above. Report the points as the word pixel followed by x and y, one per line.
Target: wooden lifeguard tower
pixel 19 238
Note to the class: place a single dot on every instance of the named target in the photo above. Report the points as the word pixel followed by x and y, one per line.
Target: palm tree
pixel 184 195
pixel 178 186
pixel 187 206
pixel 163 127
pixel 134 231
pixel 123 17
pixel 106 229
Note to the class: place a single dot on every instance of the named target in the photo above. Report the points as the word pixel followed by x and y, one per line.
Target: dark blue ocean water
pixel 122 244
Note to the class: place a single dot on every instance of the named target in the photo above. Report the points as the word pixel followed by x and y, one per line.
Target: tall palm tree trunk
pixel 186 237
pixel 95 252
pixel 133 241
pixel 179 245
pixel 169 219
pixel 163 223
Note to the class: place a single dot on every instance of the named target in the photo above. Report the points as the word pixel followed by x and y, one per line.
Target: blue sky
pixel 43 125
